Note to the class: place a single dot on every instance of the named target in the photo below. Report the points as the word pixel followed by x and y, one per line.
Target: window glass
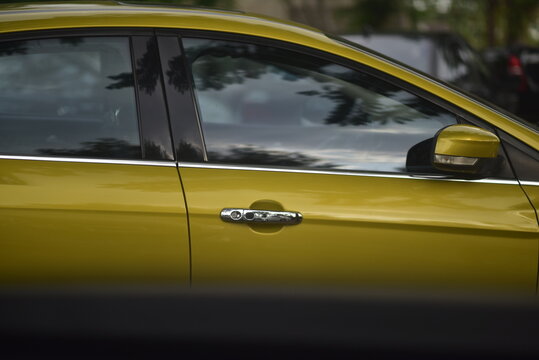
pixel 267 106
pixel 68 97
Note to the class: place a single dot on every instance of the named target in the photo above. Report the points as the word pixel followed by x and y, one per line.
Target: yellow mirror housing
pixel 465 149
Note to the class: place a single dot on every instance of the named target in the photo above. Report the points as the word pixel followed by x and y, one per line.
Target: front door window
pixel 267 106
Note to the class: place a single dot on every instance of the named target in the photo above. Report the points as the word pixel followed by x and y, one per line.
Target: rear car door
pixel 344 149
pixel 89 190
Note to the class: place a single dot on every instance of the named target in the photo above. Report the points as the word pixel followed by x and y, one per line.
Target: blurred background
pixel 483 23
pixel 488 48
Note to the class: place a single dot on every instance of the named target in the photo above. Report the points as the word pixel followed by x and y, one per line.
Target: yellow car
pixel 151 144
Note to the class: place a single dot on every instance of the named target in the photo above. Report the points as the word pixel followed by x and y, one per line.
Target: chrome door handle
pixel 261 216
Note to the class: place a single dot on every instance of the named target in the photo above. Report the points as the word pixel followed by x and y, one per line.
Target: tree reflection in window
pixel 287 105
pixel 100 148
pixel 68 96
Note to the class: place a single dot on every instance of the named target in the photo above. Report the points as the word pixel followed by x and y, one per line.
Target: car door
pixel 525 162
pixel 89 190
pixel 340 152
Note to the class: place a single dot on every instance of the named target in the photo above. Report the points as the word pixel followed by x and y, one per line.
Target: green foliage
pixel 518 14
pixel 469 19
pixel 511 20
pixel 373 14
pixel 481 22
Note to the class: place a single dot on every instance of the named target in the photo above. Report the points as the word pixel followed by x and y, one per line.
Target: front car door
pixel 89 190
pixel 344 146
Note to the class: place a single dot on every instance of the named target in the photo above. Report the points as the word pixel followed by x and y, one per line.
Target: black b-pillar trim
pixel 186 131
pixel 154 125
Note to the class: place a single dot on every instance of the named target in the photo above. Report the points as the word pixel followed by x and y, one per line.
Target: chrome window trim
pixel 89 160
pixel 343 173
pixel 254 168
pixel 529 183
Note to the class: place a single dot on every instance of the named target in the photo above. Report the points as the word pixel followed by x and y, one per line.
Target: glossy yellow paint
pixel 107 223
pixel 533 194
pixel 63 222
pixel 28 17
pixel 467 141
pixel 394 233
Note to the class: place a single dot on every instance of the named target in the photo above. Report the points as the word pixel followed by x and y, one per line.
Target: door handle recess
pixel 261 216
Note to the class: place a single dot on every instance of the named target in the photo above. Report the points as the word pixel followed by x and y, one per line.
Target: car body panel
pixel 366 230
pixel 29 17
pixel 532 191
pixel 100 221
pixel 65 222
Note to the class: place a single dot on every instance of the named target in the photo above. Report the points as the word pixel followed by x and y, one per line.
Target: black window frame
pixel 153 128
pixel 185 125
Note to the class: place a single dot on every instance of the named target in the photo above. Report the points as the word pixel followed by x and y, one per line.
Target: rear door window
pixel 69 97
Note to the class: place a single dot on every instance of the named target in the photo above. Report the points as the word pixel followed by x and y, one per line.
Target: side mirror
pixel 465 150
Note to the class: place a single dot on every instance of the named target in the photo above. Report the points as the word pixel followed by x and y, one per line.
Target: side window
pixel 268 106
pixel 70 96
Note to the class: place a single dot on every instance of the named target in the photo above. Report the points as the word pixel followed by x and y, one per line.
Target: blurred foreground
pixel 150 322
